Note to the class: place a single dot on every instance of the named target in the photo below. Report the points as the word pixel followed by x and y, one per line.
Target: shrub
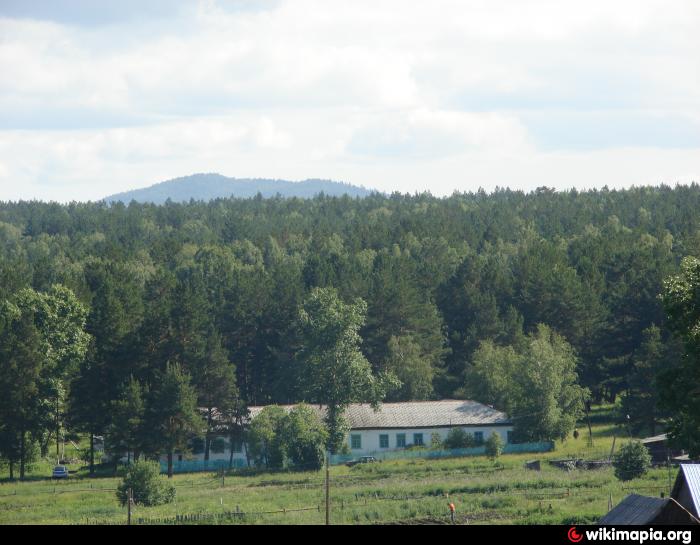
pixel 264 443
pixel 494 446
pixel 304 436
pixel 435 441
pixel 458 438
pixel 147 486
pixel 278 439
pixel 632 461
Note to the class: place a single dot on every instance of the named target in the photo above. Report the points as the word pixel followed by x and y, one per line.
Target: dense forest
pixel 451 288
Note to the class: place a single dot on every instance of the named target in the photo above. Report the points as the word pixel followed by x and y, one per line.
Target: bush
pixel 264 443
pixel 304 437
pixel 632 461
pixel 494 446
pixel 147 486
pixel 458 438
pixel 436 441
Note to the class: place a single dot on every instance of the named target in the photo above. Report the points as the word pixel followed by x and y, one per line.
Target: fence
pixel 209 517
pixel 510 448
pixel 428 505
pixel 192 466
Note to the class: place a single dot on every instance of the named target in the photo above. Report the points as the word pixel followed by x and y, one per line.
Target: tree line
pixel 252 302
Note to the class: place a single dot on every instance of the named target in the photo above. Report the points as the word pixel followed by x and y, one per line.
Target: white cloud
pixel 390 94
pixel 426 134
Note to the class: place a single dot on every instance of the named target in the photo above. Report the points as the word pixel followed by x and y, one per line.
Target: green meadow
pixel 403 491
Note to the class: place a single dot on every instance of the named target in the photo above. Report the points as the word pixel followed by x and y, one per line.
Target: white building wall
pixel 239 458
pixel 369 440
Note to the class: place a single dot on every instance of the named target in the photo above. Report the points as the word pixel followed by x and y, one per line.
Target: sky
pixel 98 97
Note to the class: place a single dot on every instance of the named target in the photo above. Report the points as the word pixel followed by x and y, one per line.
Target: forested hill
pixel 447 283
pixel 204 187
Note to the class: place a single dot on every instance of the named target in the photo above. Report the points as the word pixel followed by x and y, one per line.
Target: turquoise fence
pixel 191 466
pixel 510 448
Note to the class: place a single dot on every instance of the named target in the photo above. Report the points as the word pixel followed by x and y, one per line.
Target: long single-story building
pixel 401 425
pixel 394 426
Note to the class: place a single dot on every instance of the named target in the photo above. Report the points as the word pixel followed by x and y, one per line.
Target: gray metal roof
pixel 690 475
pixel 424 414
pixel 417 414
pixel 655 439
pixel 635 509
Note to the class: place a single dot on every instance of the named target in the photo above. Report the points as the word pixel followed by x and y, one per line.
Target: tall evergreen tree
pixel 214 378
pixel 25 414
pixel 171 415
pixel 397 308
pixel 113 320
pixel 650 360
pixel 126 433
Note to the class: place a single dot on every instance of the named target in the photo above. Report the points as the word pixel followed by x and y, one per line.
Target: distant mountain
pixel 211 186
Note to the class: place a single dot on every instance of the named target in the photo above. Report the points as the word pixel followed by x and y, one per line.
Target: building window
pixel 400 440
pixel 384 441
pixel 355 441
pixel 418 439
pixel 236 446
pixel 197 445
pixel 478 437
pixel 509 437
pixel 179 457
pixel 218 445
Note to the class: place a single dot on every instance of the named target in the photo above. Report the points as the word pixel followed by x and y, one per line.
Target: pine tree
pixel 112 358
pixel 397 308
pixel 126 432
pixel 172 417
pixel 642 400
pixel 24 412
pixel 214 378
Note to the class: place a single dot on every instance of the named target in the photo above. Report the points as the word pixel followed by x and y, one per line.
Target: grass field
pixel 404 491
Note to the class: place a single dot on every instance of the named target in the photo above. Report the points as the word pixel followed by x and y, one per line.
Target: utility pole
pixel 328 488
pixel 668 465
pixel 629 427
pixel 130 499
pixel 587 406
pixel 612 449
pixel 58 429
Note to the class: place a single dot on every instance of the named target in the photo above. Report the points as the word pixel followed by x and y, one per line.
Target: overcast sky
pixel 98 96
